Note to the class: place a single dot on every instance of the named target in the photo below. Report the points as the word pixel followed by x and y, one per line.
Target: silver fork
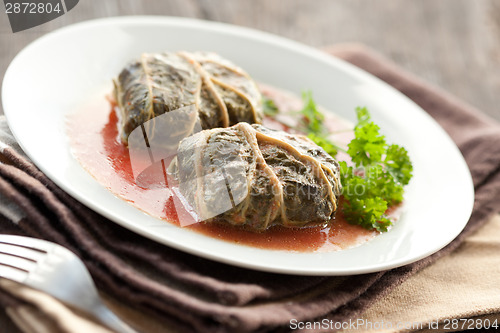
pixel 56 271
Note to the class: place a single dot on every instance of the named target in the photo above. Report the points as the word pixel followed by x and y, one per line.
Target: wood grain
pixel 454 44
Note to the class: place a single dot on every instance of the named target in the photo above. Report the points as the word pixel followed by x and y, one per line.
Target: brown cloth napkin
pixel 188 293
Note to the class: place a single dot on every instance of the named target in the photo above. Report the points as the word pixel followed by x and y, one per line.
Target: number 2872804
pixel 32 8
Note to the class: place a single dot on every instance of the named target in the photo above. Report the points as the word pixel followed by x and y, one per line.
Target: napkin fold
pixel 187 293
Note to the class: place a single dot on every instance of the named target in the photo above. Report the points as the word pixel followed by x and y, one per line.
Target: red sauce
pixel 96 144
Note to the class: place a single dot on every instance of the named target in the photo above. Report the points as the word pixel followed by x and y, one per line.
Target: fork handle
pixel 109 319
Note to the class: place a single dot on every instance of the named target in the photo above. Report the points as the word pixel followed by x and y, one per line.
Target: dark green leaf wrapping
pixel 161 82
pixel 275 178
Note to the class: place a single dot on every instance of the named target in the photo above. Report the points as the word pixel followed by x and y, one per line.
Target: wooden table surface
pixel 454 44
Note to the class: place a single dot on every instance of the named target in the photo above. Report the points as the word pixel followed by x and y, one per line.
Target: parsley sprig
pixel 312 123
pixel 375 181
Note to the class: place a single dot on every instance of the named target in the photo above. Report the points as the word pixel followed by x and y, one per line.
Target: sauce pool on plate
pixel 95 142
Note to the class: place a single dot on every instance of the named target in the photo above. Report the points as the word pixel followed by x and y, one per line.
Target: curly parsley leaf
pixel 365 196
pixel 368 145
pixel 368 213
pixel 398 163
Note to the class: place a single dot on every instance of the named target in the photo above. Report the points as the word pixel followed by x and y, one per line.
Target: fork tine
pixel 37 244
pixel 56 271
pixel 18 257
pixel 13 274
pixel 17 262
pixel 21 251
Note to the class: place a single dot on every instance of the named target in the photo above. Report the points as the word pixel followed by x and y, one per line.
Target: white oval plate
pixel 68 68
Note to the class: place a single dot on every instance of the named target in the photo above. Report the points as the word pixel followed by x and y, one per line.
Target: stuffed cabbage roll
pixel 252 176
pixel 157 83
